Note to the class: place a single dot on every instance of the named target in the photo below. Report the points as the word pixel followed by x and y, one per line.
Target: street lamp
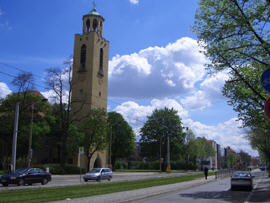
pixel 30 151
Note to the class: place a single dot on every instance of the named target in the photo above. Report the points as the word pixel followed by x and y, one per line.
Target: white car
pixel 242 179
pixel 98 174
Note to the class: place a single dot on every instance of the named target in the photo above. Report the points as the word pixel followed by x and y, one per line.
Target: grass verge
pixel 61 193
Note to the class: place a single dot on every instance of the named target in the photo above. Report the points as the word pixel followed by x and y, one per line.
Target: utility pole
pixel 160 164
pixel 14 142
pixel 168 155
pixel 30 138
pixel 110 150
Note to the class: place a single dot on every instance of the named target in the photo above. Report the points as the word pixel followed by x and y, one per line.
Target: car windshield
pixel 20 171
pixel 239 174
pixel 94 170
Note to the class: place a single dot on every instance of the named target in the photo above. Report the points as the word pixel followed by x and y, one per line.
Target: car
pixel 98 174
pixel 242 179
pixel 24 176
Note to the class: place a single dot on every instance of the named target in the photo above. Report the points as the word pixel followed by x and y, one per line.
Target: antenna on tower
pixel 94 4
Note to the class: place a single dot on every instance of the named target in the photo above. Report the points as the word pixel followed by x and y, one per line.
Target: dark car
pixel 242 179
pixel 98 174
pixel 24 176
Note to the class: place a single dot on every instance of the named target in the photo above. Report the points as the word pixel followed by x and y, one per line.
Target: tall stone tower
pixel 90 73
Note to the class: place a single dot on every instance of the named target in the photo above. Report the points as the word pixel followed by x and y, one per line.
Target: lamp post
pixel 110 150
pixel 14 141
pixel 30 151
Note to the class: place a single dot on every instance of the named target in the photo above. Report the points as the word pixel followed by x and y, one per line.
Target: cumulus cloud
pixel 4 90
pixel 157 72
pixel 137 114
pixel 226 134
pixel 134 1
pixel 210 90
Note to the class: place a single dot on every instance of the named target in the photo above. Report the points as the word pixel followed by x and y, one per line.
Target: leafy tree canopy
pixel 234 32
pixel 161 124
pixel 122 137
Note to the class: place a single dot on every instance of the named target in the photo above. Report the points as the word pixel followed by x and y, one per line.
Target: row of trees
pixel 235 35
pixel 55 136
pixel 165 125
pixel 95 133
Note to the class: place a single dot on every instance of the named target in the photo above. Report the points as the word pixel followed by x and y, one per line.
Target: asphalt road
pixel 65 180
pixel 218 192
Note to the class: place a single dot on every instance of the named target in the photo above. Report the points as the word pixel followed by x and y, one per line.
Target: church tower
pixel 90 73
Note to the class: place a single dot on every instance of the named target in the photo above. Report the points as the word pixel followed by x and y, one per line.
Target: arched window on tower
pixel 95 25
pixel 88 25
pixel 83 58
pixel 100 72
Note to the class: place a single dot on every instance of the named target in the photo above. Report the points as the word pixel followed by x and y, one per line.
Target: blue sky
pixel 154 59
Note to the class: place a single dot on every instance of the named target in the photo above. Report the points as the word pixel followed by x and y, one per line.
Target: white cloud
pixel 4 90
pixel 211 90
pixel 157 72
pixel 134 1
pixel 136 115
pixel 226 134
pixel 53 98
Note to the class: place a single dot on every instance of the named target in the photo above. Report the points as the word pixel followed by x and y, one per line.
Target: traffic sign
pixel 265 80
pixel 267 108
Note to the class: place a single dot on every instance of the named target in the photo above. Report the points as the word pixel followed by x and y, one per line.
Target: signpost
pixel 81 152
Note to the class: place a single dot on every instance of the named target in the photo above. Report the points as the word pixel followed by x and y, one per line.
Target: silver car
pixel 242 179
pixel 98 174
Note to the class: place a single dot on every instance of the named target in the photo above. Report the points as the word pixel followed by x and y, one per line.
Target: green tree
pixel 94 133
pixel 204 148
pixel 259 140
pixel 232 159
pixel 245 159
pixel 234 33
pixel 243 100
pixel 191 148
pixel 42 116
pixel 122 137
pixel 161 124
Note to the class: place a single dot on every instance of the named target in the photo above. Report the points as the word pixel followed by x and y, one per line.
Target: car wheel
pixel 44 181
pixel 21 182
pixel 5 184
pixel 98 179
pixel 109 179
pixel 85 180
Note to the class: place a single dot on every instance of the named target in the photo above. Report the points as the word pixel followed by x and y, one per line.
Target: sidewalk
pixel 128 196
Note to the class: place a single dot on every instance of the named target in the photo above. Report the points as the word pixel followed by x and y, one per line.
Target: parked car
pixel 98 174
pixel 24 176
pixel 242 179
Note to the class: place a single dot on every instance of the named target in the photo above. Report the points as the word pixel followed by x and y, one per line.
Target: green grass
pixel 61 193
pixel 136 170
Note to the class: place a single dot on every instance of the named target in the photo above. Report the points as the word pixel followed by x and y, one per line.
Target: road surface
pixel 218 192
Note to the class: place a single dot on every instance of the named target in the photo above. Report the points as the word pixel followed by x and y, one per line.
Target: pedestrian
pixel 205 172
